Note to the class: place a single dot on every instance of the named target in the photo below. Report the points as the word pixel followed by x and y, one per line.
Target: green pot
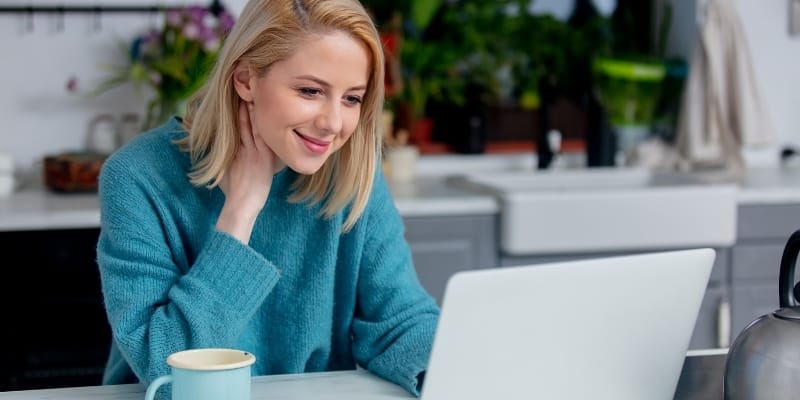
pixel 628 90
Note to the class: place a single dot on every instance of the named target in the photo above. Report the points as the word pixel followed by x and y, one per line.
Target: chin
pixel 306 168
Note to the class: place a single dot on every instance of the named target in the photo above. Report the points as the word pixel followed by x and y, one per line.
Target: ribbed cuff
pixel 235 272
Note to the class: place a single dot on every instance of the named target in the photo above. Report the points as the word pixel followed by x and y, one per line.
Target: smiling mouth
pixel 314 145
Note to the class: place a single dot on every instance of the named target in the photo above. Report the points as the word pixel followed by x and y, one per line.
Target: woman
pixel 261 221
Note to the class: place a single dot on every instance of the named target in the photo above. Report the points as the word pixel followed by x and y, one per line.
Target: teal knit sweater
pixel 302 296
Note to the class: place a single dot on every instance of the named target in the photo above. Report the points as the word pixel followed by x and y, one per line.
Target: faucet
pixel 547 94
pixel 599 136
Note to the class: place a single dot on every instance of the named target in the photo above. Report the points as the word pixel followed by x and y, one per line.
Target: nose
pixel 329 118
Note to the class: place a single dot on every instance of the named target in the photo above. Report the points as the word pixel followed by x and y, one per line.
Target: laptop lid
pixel 606 328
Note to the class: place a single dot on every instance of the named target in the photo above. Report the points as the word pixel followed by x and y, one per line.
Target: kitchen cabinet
pixel 55 329
pixel 762 232
pixel 444 245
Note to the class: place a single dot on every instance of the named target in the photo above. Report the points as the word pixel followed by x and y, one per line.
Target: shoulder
pixel 150 165
pixel 381 206
pixel 151 154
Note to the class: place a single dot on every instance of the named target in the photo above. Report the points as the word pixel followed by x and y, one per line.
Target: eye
pixel 309 91
pixel 353 100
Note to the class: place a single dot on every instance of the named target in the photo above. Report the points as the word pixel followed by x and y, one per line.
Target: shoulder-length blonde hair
pixel 266 32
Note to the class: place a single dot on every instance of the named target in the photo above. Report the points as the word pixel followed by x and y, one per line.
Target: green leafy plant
pixel 430 59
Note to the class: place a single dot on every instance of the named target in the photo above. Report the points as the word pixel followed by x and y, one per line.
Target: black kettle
pixel 764 360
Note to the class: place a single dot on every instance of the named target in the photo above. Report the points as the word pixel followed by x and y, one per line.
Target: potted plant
pixel 503 52
pixel 172 61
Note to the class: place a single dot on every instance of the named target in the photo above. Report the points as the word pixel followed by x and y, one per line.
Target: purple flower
pixel 166 58
pixel 191 31
pixel 196 14
pixel 226 21
pixel 148 44
pixel 174 17
pixel 206 34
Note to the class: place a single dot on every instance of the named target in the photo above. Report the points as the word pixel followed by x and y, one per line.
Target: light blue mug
pixel 207 374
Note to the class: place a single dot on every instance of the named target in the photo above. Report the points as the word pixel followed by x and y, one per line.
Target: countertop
pixel 349 385
pixel 35 208
pixel 701 378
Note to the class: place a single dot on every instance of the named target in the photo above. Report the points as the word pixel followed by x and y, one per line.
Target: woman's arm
pixel 158 297
pixel 396 318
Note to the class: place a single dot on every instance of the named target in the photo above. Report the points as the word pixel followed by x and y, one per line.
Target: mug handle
pixel 154 385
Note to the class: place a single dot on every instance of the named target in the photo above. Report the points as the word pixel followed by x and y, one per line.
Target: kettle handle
pixel 786 279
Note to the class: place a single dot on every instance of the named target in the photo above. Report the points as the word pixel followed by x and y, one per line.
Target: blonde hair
pixel 269 31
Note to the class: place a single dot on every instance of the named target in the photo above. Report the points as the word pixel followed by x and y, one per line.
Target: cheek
pixel 350 123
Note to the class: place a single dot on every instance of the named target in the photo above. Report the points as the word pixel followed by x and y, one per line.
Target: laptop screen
pixel 615 327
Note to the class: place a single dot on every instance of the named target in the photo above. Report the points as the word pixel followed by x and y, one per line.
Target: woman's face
pixel 306 107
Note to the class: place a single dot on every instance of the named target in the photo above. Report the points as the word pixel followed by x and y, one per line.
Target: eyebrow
pixel 326 84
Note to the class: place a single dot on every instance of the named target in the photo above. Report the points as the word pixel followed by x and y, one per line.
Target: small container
pixel 73 172
pixel 401 163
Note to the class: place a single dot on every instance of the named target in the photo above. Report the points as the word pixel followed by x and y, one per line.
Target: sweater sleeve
pixel 396 318
pixel 156 307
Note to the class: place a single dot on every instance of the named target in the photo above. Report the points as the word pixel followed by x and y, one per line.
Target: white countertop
pixel 344 385
pixel 770 186
pixel 36 208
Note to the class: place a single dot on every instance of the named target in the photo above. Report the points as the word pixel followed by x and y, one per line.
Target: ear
pixel 242 82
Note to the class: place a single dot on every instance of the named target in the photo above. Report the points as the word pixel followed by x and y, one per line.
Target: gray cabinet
pixel 444 245
pixel 742 287
pixel 713 325
pixel 762 233
pixel 711 330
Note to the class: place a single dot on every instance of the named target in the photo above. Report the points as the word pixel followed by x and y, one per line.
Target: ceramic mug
pixel 207 374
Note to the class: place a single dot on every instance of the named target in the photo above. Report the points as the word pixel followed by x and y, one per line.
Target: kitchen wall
pixel 776 55
pixel 39 55
pixel 39 116
pixel 777 62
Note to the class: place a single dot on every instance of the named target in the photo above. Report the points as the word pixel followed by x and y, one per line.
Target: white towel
pixel 722 111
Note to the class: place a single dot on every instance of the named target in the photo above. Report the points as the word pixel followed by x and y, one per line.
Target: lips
pixel 314 145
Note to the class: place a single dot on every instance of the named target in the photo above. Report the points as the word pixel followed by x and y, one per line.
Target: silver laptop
pixel 607 328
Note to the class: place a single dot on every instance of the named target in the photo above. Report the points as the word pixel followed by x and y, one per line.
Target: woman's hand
pixel 248 179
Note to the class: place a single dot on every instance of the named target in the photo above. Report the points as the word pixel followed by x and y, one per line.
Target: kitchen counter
pixel 36 208
pixel 350 385
pixel 40 209
pixel 770 186
pixel 700 379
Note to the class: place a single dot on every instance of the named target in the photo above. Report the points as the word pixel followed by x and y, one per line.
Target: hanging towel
pixel 722 111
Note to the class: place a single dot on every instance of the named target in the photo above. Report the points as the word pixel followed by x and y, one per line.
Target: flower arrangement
pixel 173 60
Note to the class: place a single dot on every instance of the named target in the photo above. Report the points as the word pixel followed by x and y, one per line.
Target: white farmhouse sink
pixel 606 209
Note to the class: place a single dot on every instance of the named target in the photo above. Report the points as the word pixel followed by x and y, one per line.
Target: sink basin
pixel 606 210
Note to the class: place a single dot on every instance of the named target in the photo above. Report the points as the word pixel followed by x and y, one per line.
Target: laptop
pixel 604 328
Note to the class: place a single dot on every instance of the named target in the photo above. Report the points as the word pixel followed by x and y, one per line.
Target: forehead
pixel 333 55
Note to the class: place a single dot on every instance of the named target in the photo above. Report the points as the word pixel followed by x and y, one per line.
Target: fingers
pixel 245 124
